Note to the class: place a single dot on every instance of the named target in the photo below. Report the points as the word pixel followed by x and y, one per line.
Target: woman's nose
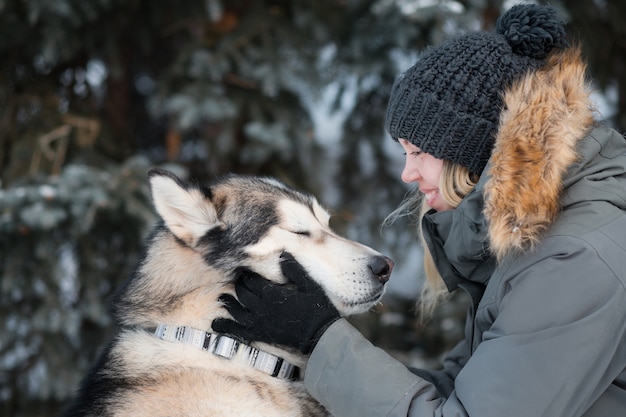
pixel 410 173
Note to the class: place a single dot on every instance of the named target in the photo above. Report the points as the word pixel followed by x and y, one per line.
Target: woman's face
pixel 425 170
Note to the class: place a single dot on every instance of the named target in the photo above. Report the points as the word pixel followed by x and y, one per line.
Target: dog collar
pixel 229 348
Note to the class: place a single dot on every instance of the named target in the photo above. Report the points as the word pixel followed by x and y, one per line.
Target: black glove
pixel 288 315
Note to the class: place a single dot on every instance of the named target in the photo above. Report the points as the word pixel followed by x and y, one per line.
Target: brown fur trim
pixel 546 113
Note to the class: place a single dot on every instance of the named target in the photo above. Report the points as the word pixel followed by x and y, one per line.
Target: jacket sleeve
pixel 351 377
pixel 556 344
pixel 453 362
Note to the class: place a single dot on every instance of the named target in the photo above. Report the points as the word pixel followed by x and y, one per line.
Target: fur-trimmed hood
pixel 546 114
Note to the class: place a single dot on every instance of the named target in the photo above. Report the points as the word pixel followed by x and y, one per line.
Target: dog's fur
pixel 207 233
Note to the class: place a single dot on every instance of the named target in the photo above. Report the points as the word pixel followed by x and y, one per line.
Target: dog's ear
pixel 187 210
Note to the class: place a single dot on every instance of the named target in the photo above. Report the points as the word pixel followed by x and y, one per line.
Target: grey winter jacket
pixel 540 245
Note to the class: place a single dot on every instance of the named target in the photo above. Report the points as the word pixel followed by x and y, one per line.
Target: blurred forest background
pixel 93 93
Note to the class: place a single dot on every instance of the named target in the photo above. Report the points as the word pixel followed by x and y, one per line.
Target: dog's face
pixel 249 222
pixel 352 275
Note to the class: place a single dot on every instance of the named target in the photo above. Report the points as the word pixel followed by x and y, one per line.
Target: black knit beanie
pixel 449 103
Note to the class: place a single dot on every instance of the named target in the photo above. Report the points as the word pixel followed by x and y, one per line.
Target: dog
pixel 164 359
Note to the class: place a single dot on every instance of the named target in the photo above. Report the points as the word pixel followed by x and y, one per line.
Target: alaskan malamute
pixel 164 359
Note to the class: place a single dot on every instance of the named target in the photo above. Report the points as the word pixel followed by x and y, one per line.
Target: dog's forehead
pixel 241 192
pixel 320 212
pixel 292 204
pixel 299 215
pixel 249 186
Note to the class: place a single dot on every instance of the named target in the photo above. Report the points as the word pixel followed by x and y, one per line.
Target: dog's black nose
pixel 381 266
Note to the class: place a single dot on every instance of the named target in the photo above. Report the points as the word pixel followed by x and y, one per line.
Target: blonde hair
pixel 455 183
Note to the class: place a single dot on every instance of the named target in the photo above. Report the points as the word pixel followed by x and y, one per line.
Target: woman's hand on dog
pixel 289 315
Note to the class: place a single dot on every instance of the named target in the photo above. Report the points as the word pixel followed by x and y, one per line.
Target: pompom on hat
pixel 449 103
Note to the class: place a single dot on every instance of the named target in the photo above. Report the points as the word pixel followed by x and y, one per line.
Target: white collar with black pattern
pixel 226 347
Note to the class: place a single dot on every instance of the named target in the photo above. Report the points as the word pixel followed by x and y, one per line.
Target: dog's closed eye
pixel 302 232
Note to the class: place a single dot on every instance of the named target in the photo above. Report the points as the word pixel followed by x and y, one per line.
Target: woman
pixel 526 199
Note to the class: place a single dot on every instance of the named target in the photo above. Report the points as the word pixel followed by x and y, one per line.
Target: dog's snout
pixel 381 267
